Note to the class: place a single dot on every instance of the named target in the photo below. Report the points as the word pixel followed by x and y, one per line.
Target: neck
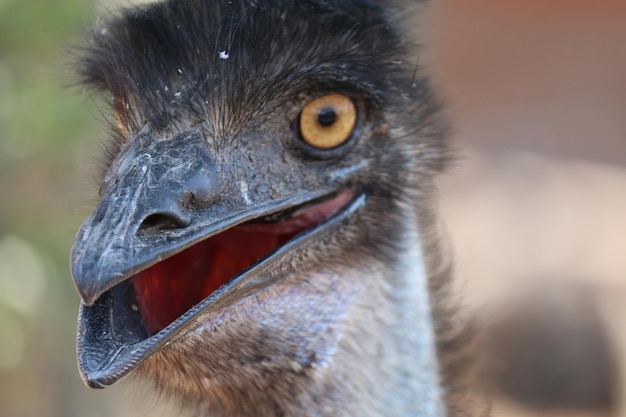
pixel 397 374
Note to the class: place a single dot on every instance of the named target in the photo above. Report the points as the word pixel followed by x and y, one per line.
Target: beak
pixel 159 198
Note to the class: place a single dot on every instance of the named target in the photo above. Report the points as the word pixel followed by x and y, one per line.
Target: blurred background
pixel 50 138
pixel 535 205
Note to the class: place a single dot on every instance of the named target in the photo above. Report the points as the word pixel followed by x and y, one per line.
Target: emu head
pixel 258 245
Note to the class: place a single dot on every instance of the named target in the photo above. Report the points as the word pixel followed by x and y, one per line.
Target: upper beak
pixel 158 198
pixel 145 188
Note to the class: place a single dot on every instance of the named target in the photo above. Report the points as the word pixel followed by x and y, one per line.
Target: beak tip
pixel 85 285
pixel 90 379
pixel 92 383
pixel 90 278
pixel 87 296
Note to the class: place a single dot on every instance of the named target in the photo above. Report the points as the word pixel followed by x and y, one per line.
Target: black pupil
pixel 327 117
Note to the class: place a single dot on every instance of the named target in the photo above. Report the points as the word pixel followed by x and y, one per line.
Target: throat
pixel 415 332
pixel 397 344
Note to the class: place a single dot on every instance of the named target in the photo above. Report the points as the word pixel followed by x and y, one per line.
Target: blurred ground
pixel 537 93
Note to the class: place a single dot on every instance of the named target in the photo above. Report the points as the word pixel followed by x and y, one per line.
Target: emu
pixel 265 242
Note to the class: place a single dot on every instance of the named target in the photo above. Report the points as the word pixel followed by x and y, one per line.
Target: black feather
pixel 237 59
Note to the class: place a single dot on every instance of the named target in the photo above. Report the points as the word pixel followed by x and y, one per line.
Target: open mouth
pixel 139 315
pixel 168 289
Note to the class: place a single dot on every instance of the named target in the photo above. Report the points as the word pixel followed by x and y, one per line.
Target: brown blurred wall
pixel 536 92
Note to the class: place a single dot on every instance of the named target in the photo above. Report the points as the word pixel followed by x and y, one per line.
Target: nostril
pixel 161 221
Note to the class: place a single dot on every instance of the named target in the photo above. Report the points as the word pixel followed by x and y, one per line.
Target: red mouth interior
pixel 168 289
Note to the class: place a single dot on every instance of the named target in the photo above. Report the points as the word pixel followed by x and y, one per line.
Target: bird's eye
pixel 328 121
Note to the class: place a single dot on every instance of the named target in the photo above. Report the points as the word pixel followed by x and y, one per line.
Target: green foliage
pixel 48 139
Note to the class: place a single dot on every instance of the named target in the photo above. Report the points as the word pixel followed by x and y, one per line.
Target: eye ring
pixel 327 122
